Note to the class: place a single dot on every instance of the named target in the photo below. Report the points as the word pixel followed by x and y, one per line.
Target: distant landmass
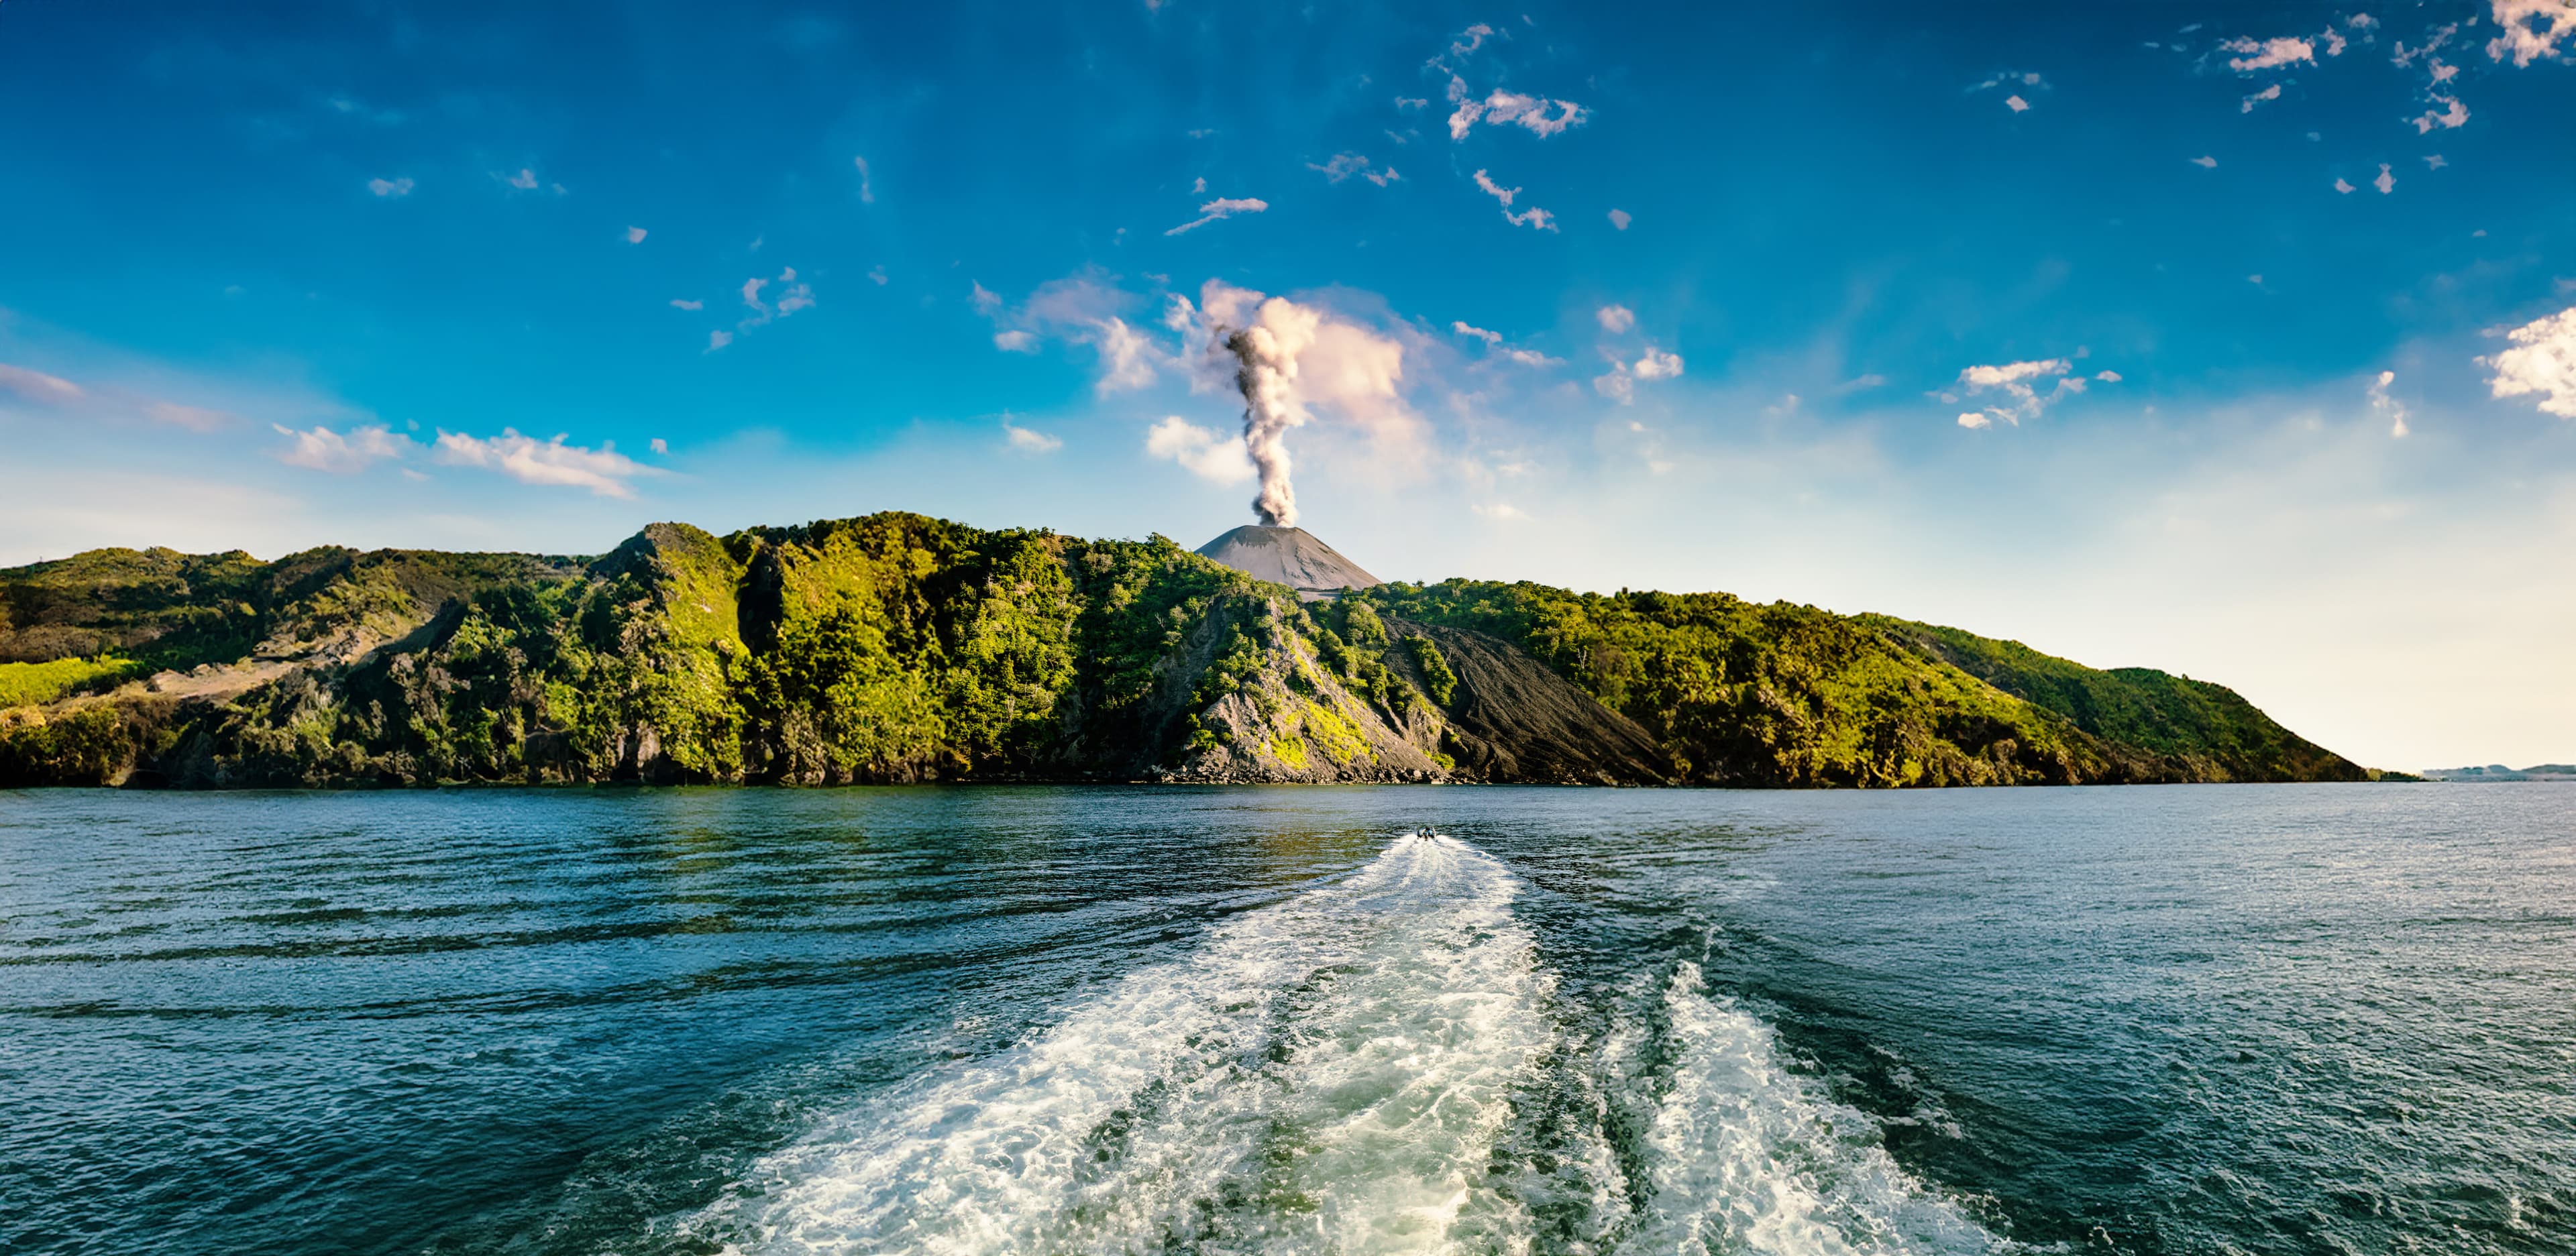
pixel 2499 772
pixel 900 648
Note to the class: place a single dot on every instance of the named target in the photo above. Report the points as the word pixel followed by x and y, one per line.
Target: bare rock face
pixel 1289 556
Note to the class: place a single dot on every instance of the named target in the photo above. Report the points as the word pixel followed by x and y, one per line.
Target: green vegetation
pixel 1435 669
pixel 34 684
pixel 1781 694
pixel 2207 727
pixel 896 647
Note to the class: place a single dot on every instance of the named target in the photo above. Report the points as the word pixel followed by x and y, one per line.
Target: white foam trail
pixel 1326 1075
pixel 1745 1156
pixel 1378 1066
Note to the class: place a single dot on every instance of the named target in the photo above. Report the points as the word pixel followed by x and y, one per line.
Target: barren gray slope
pixel 1289 556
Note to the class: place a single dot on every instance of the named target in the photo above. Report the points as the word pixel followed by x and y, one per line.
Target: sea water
pixel 2191 1019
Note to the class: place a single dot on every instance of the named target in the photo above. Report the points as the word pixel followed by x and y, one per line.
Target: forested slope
pixel 896 647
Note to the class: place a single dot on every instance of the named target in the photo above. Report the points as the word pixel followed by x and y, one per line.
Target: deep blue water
pixel 2153 1020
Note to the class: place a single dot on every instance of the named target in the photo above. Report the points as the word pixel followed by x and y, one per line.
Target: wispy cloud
pixel 2269 93
pixel 2016 104
pixel 635 235
pixel 1015 341
pixel 2205 162
pixel 1344 165
pixel 2388 407
pixel 1205 454
pixel 2017 382
pixel 38 387
pixel 2268 53
pixel 554 463
pixel 1489 337
pixel 2532 29
pixel 390 188
pixel 867 190
pixel 322 449
pixel 2386 182
pixel 1616 319
pixel 525 180
pixel 1533 217
pixel 2451 115
pixel 679 303
pixel 1619 220
pixel 1029 440
pixel 2542 361
pixel 1619 383
pixel 1221 208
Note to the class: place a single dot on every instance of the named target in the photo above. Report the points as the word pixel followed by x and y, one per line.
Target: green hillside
pixel 896 647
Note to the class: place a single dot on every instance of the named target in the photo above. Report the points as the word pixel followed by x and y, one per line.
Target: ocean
pixel 2190 1019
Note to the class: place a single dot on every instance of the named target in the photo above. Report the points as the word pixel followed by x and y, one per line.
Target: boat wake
pixel 1379 1065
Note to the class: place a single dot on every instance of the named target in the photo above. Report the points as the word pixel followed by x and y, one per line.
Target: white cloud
pixel 2016 104
pixel 1533 217
pixel 2269 93
pixel 322 449
pixel 1531 357
pixel 525 180
pixel 1015 341
pixel 390 187
pixel 1619 383
pixel 1411 102
pixel 1619 219
pixel 634 235
pixel 2543 361
pixel 718 339
pixel 2334 41
pixel 2362 22
pixel 2205 163
pixel 2434 161
pixel 1222 207
pixel 2344 187
pixel 1972 420
pixel 661 446
pixel 1127 359
pixel 2451 116
pixel 2386 182
pixel 678 303
pixel 2266 54
pixel 1344 165
pixel 1030 441
pixel 52 390
pixel 1489 337
pixel 793 296
pixel 867 193
pixel 1207 455
pixel 1657 364
pixel 1616 319
pixel 2388 407
pixel 2016 381
pixel 2524 35
pixel 1500 512
pixel 984 300
pixel 877 275
pixel 193 418
pixel 603 471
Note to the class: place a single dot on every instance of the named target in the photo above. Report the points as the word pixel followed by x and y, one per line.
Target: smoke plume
pixel 1290 362
pixel 1265 356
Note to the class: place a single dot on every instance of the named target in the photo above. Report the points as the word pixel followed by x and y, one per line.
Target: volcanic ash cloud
pixel 1286 356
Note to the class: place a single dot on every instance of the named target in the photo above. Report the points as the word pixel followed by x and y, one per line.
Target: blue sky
pixel 2052 322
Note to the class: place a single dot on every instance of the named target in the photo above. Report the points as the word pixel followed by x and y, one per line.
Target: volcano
pixel 1289 556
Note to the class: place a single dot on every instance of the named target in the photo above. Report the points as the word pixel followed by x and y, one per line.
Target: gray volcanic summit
pixel 1289 556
